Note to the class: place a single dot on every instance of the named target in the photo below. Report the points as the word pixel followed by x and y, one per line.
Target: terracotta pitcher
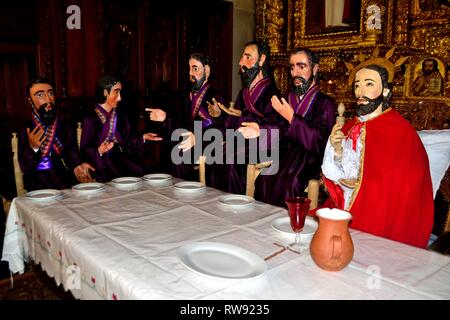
pixel 331 246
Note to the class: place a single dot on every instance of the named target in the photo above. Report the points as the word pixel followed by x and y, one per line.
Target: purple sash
pixel 197 109
pixel 109 121
pixel 51 141
pixel 46 163
pixel 251 96
pixel 302 106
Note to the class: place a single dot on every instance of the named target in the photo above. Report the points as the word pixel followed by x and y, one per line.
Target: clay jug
pixel 331 246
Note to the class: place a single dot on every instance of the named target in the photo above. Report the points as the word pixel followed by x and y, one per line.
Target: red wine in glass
pixel 297 208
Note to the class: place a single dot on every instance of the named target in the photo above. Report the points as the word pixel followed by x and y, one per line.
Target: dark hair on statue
pixel 107 83
pixel 384 75
pixel 313 58
pixel 204 59
pixel 262 48
pixel 37 80
pixel 435 64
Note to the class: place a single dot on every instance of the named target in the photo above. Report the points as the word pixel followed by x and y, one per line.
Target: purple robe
pixel 306 138
pixel 117 162
pixel 196 109
pixel 256 106
pixel 197 105
pixel 53 170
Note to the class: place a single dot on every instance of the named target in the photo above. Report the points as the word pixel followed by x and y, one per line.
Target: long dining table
pixel 121 243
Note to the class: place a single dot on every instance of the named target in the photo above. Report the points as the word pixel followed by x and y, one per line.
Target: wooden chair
pixel 79 131
pixel 18 175
pixel 201 169
pixel 253 171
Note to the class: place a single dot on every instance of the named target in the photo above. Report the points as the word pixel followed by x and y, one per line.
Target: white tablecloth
pixel 122 244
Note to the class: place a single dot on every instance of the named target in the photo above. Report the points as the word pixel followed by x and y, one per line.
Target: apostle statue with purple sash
pixel 48 152
pixel 107 139
pixel 202 93
pixel 254 102
pixel 310 115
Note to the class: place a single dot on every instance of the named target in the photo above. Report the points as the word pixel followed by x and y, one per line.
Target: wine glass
pixel 298 208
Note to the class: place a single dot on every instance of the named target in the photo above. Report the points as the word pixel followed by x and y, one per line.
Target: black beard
pixel 248 75
pixel 47 117
pixel 373 104
pixel 427 72
pixel 198 84
pixel 301 89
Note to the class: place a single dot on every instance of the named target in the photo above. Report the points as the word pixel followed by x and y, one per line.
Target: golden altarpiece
pixel 418 29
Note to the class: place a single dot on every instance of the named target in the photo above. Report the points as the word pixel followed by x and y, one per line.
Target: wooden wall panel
pixel 145 42
pixel 82 50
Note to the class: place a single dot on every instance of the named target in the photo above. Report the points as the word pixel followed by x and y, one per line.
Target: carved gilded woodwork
pixel 416 31
pixel 274 27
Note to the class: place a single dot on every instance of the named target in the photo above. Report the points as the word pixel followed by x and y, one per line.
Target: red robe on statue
pixel 395 197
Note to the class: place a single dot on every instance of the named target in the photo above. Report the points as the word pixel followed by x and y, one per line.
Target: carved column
pixel 298 6
pixel 275 23
pixel 260 27
pixel 402 11
pixel 272 18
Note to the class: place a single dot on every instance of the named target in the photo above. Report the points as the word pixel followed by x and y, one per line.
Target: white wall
pixel 243 31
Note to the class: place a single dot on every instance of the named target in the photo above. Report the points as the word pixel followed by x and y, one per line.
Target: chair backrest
pixel 18 175
pixel 253 171
pixel 79 131
pixel 201 169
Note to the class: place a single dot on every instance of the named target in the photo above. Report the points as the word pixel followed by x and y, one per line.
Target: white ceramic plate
pixel 89 188
pixel 236 201
pixel 221 260
pixel 283 225
pixel 157 179
pixel 44 194
pixel 126 183
pixel 189 186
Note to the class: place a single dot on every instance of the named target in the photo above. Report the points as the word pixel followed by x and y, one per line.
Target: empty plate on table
pixel 189 186
pixel 221 260
pixel 126 183
pixel 44 194
pixel 89 188
pixel 157 179
pixel 236 201
pixel 283 225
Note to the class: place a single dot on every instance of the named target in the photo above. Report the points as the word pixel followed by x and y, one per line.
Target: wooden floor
pixel 34 284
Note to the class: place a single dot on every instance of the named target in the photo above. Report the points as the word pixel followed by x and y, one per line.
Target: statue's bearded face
pixel 428 67
pixel 42 97
pixel 248 75
pixel 197 74
pixel 369 91
pixel 302 73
